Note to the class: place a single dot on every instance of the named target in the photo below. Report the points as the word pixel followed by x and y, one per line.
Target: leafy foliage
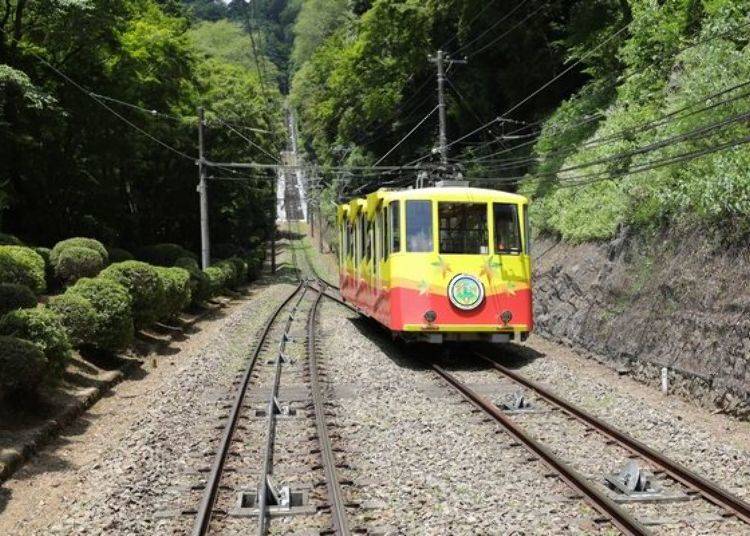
pixel 78 242
pixel 144 286
pixel 23 266
pixel 42 327
pixel 77 316
pixel 176 287
pixel 22 367
pixel 114 316
pixel 73 263
pixel 13 296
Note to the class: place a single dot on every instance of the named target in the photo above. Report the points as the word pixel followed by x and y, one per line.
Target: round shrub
pixel 22 366
pixel 77 315
pixel 200 286
pixel 114 317
pixel 163 254
pixel 14 297
pixel 74 262
pixel 22 266
pixel 217 279
pixel 144 286
pixel 231 276
pixel 78 242
pixel 43 328
pixel 176 285
pixel 119 255
pixel 254 261
pixel 9 240
pixel 241 269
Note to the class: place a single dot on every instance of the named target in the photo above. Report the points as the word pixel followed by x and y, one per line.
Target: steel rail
pixel 600 502
pixel 711 492
pixel 335 497
pixel 267 469
pixel 205 509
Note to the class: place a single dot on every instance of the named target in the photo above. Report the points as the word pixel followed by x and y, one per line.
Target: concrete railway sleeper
pixel 732 505
pixel 625 521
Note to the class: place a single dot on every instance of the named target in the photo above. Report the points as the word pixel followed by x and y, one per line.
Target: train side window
pixel 419 226
pixel 507 230
pixel 360 239
pixel 526 230
pixel 367 240
pixel 395 226
pixel 463 228
pixel 384 236
pixel 350 241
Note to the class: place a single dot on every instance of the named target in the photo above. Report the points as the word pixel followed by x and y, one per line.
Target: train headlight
pixel 466 292
pixel 430 316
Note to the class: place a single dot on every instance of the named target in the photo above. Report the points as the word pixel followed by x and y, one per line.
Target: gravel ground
pixel 136 453
pixel 421 461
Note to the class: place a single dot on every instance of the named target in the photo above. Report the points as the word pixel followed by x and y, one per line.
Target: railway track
pixel 611 505
pixel 625 520
pixel 228 505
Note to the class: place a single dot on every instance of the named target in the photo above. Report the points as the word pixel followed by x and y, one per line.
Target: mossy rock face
pixel 13 297
pixel 163 254
pixel 144 286
pixel 177 291
pixel 114 317
pixel 75 262
pixel 78 242
pixel 43 328
pixel 22 367
pixel 77 316
pixel 23 266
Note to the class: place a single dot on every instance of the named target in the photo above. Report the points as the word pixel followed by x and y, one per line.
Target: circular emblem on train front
pixel 465 292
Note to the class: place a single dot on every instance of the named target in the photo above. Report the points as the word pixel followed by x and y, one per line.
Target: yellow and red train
pixel 448 263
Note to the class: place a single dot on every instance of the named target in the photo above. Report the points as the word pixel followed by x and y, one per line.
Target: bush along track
pixel 104 297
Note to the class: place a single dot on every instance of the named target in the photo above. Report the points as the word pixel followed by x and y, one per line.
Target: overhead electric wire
pixel 665 119
pixel 507 32
pixel 101 103
pixel 248 140
pixel 402 140
pixel 468 24
pixel 492 27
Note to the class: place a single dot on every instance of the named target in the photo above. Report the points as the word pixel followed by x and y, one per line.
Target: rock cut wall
pixel 677 299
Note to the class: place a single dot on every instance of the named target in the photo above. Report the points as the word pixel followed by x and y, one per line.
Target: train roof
pixel 450 192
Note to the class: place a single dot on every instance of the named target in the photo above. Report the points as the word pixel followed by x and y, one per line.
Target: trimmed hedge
pixel 75 262
pixel 22 366
pixel 163 254
pixel 22 266
pixel 241 270
pixel 176 285
pixel 77 316
pixel 114 316
pixel 42 327
pixel 217 279
pixel 78 242
pixel 119 255
pixel 200 285
pixel 144 286
pixel 9 240
pixel 14 297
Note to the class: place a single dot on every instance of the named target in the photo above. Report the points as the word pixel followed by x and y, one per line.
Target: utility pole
pixel 203 193
pixel 442 60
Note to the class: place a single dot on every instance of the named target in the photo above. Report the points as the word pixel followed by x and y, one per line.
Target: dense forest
pixel 606 113
pixel 627 112
pixel 98 118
